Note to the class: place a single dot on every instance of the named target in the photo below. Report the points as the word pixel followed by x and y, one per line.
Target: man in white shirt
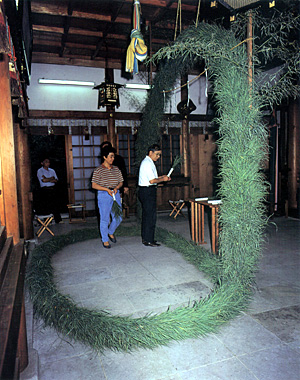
pixel 48 178
pixel 148 179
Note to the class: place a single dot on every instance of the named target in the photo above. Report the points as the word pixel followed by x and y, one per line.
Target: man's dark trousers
pixel 147 196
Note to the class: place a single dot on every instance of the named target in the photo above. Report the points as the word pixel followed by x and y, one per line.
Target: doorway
pixel 52 147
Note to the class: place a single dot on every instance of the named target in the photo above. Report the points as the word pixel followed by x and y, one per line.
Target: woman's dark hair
pixel 105 144
pixel 105 152
pixel 153 148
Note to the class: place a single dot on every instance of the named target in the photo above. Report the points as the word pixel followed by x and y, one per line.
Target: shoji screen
pixel 86 157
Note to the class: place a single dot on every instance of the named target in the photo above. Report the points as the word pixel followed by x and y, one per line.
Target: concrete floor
pixel 261 344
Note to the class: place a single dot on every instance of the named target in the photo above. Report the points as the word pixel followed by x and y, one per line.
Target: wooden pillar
pixel 8 197
pixel 109 77
pixel 111 127
pixel 185 140
pixel 293 153
pixel 186 154
pixel 23 166
pixel 70 169
pixel 150 81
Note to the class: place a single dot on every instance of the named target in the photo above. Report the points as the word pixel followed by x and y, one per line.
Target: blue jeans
pixel 105 202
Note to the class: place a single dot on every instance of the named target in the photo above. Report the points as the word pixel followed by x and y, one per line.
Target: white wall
pixel 77 98
pixel 61 97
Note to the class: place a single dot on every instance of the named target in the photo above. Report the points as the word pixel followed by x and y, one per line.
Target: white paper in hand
pixel 170 172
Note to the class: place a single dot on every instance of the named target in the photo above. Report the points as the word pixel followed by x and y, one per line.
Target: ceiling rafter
pixel 66 27
pixel 107 29
pixel 95 29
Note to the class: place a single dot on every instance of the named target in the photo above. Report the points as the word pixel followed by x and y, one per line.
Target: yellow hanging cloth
pixel 137 50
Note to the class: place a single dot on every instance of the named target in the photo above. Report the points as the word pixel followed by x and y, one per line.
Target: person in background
pixel 48 199
pixel 148 180
pixel 120 163
pixel 107 179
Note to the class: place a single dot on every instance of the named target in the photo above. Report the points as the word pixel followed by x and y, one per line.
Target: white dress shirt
pixel 48 174
pixel 147 172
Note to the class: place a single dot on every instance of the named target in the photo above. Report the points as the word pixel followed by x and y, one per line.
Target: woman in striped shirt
pixel 107 179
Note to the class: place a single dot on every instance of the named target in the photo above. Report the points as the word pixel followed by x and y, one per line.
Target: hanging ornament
pixel 137 50
pixel 185 107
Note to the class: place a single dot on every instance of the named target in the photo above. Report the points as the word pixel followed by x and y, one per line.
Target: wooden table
pixel 197 222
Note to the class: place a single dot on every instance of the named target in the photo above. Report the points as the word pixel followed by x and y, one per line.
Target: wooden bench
pixel 13 340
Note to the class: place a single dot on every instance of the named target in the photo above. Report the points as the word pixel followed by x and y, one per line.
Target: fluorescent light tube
pixel 138 86
pixel 66 82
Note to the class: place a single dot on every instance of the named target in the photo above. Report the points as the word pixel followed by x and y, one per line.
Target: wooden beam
pixel 107 29
pixel 47 28
pixel 61 9
pixel 85 32
pixel 43 42
pixel 173 5
pixel 90 33
pixel 23 166
pixel 66 28
pixel 51 9
pixel 39 114
pixel 54 10
pixel 75 45
pixel 42 57
pixel 9 208
pixel 161 11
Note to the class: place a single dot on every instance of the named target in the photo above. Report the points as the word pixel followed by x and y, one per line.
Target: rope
pixel 198 13
pixel 191 81
pixel 136 15
pixel 177 15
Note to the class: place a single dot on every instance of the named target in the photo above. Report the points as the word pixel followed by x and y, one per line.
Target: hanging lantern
pixel 108 94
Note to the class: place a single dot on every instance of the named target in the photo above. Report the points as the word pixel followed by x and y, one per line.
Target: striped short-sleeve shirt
pixel 105 177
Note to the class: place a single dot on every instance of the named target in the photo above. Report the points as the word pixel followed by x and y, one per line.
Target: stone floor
pixel 262 344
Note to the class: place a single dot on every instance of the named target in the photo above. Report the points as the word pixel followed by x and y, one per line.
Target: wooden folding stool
pixel 177 207
pixel 74 207
pixel 44 221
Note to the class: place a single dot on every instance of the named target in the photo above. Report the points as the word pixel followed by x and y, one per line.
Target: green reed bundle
pixel 116 208
pixel 241 150
pixel 177 161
